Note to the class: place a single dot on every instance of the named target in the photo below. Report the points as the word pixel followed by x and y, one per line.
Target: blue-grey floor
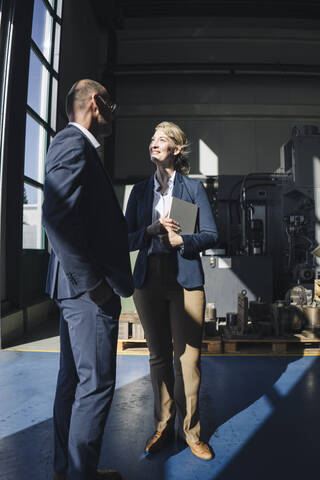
pixel 260 414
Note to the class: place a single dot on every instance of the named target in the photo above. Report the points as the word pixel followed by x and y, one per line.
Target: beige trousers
pixel 172 318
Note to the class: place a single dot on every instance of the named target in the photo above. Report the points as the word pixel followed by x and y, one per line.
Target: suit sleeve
pixel 136 233
pixel 208 235
pixel 64 192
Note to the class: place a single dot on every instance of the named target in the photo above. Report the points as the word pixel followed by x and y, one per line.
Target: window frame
pixel 6 38
pixel 53 74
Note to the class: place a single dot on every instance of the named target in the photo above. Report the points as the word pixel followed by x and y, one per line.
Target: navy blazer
pixel 83 220
pixel 139 216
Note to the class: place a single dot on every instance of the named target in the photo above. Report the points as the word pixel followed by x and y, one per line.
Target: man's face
pixel 105 115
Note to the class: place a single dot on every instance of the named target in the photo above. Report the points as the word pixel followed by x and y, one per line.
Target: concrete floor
pixel 260 414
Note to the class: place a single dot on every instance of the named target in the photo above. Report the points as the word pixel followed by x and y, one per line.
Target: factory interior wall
pixel 240 115
pixel 236 119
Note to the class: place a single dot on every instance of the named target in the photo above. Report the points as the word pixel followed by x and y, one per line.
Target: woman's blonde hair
pixel 174 132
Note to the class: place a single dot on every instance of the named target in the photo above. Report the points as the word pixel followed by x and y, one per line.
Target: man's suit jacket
pixel 83 220
pixel 139 216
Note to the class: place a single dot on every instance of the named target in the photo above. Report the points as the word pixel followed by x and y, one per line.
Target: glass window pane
pixel 59 8
pixel 38 86
pixel 42 28
pixel 54 104
pixel 57 48
pixel 33 235
pixel 35 150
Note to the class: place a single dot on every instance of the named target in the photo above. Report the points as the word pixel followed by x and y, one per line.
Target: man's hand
pixel 101 294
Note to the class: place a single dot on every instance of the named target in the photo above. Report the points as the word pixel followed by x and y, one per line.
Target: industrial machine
pixel 268 227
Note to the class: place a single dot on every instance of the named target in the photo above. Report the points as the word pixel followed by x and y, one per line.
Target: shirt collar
pixel 88 134
pixel 170 181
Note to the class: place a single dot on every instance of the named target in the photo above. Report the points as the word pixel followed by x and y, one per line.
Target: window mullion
pixel 43 123
pixel 43 59
pixel 31 181
pixel 52 10
pixel 53 35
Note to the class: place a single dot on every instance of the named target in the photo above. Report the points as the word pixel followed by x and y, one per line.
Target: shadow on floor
pixel 248 410
pixel 43 336
pixel 260 414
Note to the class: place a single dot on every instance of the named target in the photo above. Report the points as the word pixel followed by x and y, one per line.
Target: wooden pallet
pixel 131 343
pixel 131 317
pixel 298 343
pixel 210 345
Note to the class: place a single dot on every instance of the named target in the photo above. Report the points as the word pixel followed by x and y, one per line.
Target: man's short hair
pixel 79 93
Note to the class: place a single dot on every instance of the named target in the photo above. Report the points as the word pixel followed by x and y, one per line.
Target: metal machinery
pixel 261 274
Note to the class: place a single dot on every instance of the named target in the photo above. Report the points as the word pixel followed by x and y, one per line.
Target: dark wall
pixel 83 50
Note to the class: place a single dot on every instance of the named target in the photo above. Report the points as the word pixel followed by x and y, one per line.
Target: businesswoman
pixel 169 294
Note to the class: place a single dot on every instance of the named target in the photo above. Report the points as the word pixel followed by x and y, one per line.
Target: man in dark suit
pixel 89 268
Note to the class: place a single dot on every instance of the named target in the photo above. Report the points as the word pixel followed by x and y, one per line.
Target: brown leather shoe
pixel 158 440
pixel 108 475
pixel 59 476
pixel 201 450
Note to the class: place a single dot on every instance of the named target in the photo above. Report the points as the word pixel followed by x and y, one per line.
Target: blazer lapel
pixel 94 152
pixel 178 186
pixel 149 200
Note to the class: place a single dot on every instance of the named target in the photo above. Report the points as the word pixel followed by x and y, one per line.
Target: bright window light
pixel 38 86
pixel 208 160
pixel 35 149
pixel 32 226
pixel 42 28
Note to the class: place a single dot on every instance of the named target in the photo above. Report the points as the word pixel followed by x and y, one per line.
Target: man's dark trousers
pixel 86 383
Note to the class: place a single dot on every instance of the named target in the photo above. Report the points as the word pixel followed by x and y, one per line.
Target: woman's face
pixel 162 149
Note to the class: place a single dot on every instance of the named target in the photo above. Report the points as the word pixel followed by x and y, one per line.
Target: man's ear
pixel 96 101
